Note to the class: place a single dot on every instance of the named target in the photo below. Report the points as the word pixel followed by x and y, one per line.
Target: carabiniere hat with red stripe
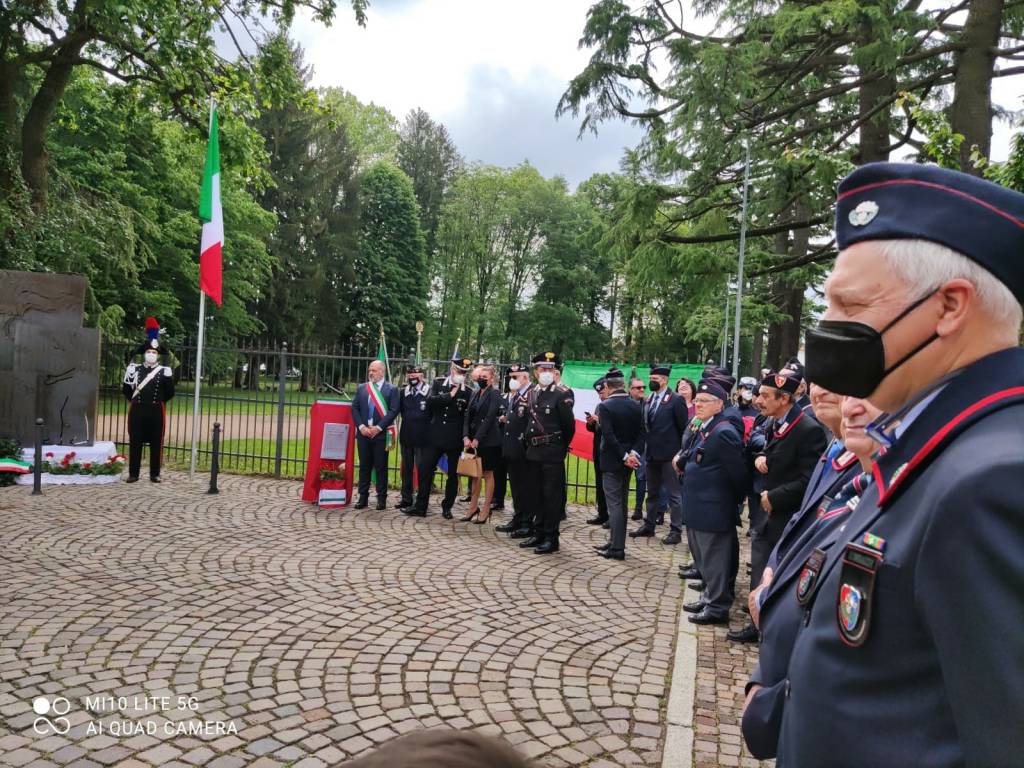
pixel 904 201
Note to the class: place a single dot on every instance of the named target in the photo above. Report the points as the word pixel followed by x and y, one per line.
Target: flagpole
pixel 198 381
pixel 199 354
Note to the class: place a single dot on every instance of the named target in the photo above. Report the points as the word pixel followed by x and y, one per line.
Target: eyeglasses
pixel 704 400
pixel 640 387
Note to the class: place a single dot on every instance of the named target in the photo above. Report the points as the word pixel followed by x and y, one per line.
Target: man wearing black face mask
pixel 911 650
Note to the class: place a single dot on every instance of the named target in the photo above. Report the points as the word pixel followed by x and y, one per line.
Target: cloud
pixel 507 120
pixel 491 72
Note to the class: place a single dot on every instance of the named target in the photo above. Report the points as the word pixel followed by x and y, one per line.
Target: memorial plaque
pixel 334 446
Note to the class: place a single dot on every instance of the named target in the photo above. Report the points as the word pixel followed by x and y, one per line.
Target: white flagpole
pixel 199 350
pixel 198 382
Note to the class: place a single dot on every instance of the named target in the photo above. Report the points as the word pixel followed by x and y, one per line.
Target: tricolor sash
pixel 378 404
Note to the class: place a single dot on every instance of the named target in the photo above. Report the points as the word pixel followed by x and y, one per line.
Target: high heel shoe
pixel 470 518
pixel 482 520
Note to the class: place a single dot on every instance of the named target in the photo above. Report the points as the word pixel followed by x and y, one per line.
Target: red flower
pixel 71 455
pixel 87 465
pixel 49 454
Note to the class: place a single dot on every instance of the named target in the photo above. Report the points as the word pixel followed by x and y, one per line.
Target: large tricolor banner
pixel 580 377
pixel 213 220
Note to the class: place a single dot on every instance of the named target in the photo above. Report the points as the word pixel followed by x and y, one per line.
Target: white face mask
pixel 514 384
pixel 546 378
pixel 458 378
pixel 150 358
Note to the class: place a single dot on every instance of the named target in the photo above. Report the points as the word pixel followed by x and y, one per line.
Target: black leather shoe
pixel 413 512
pixel 521 533
pixel 688 572
pixel 546 547
pixel 465 498
pixel 748 634
pixel 673 537
pixel 361 504
pixel 696 607
pixel 155 480
pixel 596 520
pixel 613 554
pixel 606 525
pixel 697 586
pixel 382 504
pixel 505 528
pixel 497 506
pixel 706 617
pixel 642 532
pixel 403 505
pixel 447 514
pixel 602 547
pixel 533 541
pixel 637 515
pixel 132 479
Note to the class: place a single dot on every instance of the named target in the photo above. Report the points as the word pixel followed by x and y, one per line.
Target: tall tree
pixel 428 156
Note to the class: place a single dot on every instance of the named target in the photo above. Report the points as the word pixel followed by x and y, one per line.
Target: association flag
pixel 213 220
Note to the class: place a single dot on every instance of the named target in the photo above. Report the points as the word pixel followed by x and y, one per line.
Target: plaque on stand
pixel 334 445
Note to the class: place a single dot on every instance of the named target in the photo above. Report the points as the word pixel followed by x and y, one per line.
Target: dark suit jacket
pixel 621 429
pixel 447 414
pixel 715 477
pixel 793 448
pixel 516 415
pixel 481 418
pixel 937 680
pixel 415 429
pixel 362 410
pixel 664 431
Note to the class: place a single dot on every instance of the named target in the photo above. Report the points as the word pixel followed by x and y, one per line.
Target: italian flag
pixel 14 465
pixel 213 222
pixel 580 376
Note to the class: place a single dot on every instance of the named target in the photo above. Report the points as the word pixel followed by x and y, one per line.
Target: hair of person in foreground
pixel 442 748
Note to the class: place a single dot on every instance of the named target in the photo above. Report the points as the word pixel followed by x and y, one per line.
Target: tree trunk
pixel 793 306
pixel 757 352
pixel 627 322
pixel 971 112
pixel 35 160
pixel 874 132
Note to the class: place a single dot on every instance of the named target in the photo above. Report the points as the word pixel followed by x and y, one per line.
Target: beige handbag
pixel 470 464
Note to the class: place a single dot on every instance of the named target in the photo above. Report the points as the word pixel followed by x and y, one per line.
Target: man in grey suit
pixel 374 410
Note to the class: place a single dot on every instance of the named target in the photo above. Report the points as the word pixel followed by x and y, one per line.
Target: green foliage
pixel 389 290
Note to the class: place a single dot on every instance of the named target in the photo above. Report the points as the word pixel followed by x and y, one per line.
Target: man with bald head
pixel 374 410
pixel 911 650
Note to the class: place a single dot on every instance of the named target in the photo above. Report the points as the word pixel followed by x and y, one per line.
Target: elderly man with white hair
pixel 374 410
pixel 911 651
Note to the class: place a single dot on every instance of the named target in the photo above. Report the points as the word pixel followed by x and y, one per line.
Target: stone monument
pixel 49 363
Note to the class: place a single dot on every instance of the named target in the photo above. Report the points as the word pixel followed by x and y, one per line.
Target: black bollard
pixel 37 472
pixel 215 459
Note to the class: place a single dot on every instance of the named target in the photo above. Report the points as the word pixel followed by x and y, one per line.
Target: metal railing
pixel 261 396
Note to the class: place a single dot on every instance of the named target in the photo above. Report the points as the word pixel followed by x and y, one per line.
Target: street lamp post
pixel 419 338
pixel 739 280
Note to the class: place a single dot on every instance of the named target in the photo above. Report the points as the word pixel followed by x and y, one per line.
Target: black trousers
pixel 412 455
pixel 500 482
pixel 525 484
pixel 373 456
pixel 430 455
pixel 762 542
pixel 145 425
pixel 602 500
pixel 552 496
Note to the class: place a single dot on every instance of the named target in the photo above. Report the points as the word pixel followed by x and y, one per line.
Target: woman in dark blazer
pixel 482 435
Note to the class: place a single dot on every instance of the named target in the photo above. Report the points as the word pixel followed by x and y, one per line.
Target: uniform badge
pixel 863 213
pixel 780 381
pixel 856 593
pixel 809 576
pixel 423 405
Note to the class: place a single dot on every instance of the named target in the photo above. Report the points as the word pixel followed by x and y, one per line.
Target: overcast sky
pixel 492 71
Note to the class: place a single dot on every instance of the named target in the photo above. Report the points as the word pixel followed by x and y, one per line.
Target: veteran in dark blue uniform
pixel 620 420
pixel 714 474
pixel 414 432
pixel 665 420
pixel 912 650
pixel 834 491
pixel 446 406
pixel 794 443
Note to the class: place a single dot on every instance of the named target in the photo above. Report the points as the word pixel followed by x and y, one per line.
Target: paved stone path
pixel 318 634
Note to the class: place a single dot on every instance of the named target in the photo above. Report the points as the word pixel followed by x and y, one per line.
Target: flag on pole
pixel 213 222
pixel 382 355
pixel 375 393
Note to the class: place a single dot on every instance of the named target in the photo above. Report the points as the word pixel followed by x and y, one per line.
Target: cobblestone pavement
pixel 251 629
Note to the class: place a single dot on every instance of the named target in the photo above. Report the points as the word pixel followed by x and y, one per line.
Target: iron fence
pixel 261 396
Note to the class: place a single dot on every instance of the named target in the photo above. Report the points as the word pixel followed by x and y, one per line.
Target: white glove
pixel 167 371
